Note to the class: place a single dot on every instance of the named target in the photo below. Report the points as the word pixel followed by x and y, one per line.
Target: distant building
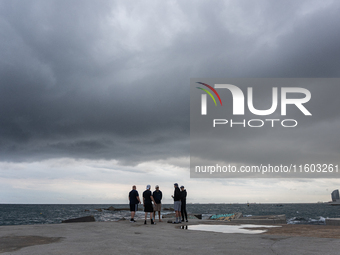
pixel 335 195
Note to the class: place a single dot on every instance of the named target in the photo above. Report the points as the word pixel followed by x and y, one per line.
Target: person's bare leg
pixel 159 216
pixel 177 216
pixel 133 215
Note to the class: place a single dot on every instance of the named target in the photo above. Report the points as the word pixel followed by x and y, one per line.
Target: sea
pixel 27 214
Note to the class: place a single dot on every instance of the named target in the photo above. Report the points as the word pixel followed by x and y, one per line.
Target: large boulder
pixel 198 216
pixel 111 208
pixel 168 209
pixel 122 209
pixel 169 215
pixel 81 219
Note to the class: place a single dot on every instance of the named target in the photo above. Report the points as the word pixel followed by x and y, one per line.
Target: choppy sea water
pixel 21 214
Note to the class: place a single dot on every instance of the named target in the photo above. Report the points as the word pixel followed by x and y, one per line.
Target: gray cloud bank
pixel 110 79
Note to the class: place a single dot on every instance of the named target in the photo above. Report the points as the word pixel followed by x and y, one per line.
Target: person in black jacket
pixel 184 204
pixel 133 201
pixel 177 203
pixel 157 195
pixel 147 203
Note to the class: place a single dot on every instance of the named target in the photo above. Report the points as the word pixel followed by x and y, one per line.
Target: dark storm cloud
pixel 110 80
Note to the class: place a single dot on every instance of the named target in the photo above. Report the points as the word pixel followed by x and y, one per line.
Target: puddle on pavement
pixel 230 229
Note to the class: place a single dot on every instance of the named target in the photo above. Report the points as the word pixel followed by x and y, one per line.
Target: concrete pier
pixel 163 238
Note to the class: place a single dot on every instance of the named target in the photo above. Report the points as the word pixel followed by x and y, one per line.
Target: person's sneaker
pixel 186 221
pixel 175 222
pixel 145 222
pixel 132 220
pixel 182 219
pixel 152 222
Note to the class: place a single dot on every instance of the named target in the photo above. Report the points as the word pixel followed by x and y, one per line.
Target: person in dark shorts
pixel 133 201
pixel 177 203
pixel 184 204
pixel 157 195
pixel 147 203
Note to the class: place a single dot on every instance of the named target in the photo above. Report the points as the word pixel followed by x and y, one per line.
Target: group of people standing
pixel 180 204
pixel 155 197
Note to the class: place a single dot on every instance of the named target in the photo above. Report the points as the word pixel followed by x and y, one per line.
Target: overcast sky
pixel 94 95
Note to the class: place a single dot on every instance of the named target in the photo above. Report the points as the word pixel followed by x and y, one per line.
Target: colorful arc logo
pixel 208 92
